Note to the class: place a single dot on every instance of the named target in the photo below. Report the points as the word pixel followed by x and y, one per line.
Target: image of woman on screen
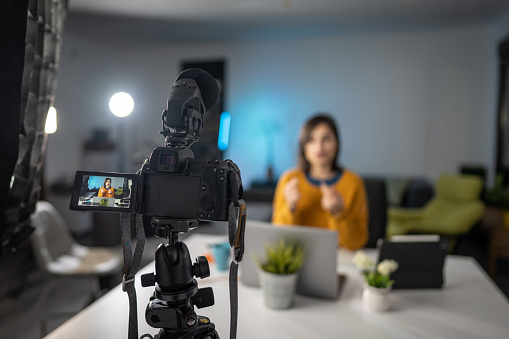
pixel 320 192
pixel 106 191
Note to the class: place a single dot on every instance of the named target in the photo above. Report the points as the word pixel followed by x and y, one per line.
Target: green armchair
pixel 452 212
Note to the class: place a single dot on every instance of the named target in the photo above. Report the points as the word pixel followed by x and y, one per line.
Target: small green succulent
pixel 282 257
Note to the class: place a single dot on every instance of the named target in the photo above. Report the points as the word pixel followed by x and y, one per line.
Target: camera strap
pixel 236 230
pixel 131 266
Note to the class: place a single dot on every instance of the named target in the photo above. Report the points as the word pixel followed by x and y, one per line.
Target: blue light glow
pixel 224 131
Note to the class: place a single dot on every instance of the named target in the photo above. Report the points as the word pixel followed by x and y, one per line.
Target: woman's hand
pixel 331 201
pixel 291 193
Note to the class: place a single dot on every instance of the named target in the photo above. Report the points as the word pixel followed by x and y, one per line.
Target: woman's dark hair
pixel 305 134
pixel 104 184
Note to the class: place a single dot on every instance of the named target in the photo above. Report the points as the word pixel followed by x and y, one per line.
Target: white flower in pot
pixel 377 281
pixel 278 272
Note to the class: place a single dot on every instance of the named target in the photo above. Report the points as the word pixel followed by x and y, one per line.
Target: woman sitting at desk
pixel 106 191
pixel 320 193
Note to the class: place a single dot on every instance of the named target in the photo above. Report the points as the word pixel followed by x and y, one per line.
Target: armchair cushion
pixel 404 214
pixel 453 211
pixel 458 187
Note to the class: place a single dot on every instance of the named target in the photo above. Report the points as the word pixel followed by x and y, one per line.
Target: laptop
pixel 420 258
pixel 97 200
pixel 318 276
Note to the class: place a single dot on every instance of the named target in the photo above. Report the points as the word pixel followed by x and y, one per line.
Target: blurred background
pixel 417 87
pixel 413 85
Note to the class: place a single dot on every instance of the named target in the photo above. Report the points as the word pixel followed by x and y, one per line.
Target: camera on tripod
pixel 175 191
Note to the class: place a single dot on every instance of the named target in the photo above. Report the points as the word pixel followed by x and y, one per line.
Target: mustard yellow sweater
pixel 351 223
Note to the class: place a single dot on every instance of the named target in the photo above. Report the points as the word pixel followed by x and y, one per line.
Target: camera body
pixel 173 184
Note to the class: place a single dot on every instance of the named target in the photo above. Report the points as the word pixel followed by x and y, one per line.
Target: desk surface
pixel 469 306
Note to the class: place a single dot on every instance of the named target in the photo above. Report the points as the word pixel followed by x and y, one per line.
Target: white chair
pixel 58 254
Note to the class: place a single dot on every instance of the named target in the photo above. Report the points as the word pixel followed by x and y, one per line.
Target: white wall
pixel 408 102
pixel 411 102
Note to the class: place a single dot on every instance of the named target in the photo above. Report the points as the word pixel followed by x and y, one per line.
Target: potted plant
pixel 103 203
pixel 278 272
pixel 377 281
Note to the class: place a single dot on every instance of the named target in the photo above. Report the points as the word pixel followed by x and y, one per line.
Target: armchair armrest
pixel 400 219
pixel 404 214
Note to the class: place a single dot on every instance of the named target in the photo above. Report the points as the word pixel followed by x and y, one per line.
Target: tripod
pixel 171 305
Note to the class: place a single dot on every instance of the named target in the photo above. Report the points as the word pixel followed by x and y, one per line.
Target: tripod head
pixel 171 306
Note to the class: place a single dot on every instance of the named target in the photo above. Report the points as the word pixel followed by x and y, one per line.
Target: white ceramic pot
pixel 376 299
pixel 278 289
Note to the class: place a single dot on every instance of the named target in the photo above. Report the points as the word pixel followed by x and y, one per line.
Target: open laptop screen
pixel 318 276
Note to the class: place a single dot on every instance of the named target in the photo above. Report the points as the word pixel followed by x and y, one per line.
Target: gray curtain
pixel 30 40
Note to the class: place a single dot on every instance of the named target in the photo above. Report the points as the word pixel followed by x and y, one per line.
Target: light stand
pixel 121 105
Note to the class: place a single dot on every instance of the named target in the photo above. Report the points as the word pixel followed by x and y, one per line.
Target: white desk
pixel 469 306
